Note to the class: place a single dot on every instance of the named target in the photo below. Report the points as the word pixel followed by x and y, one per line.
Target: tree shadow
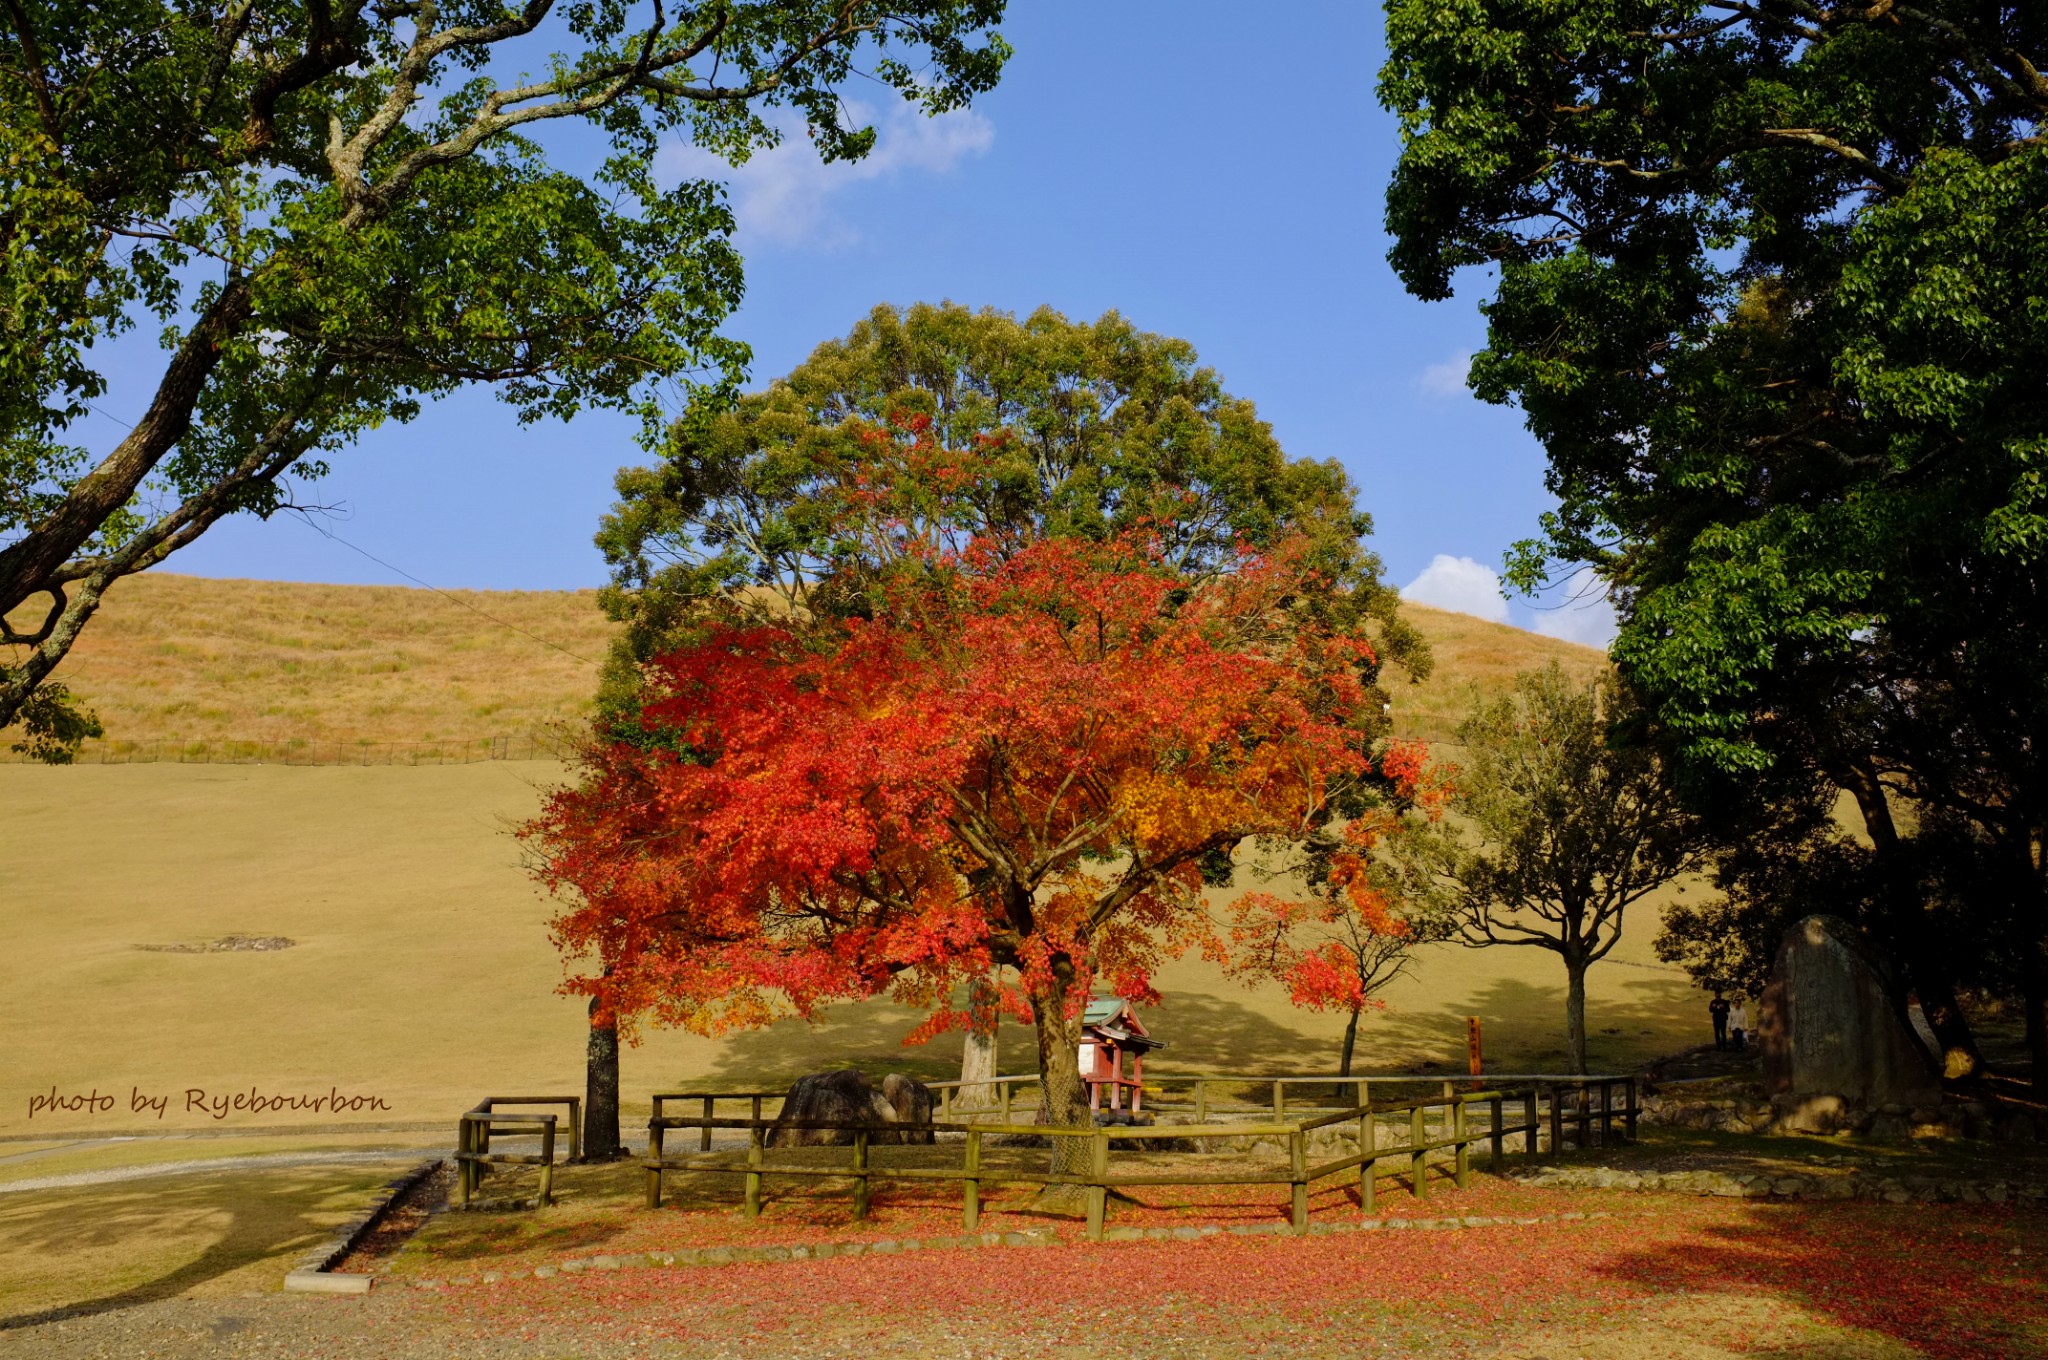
pixel 1522 1024
pixel 1960 1281
pixel 245 1219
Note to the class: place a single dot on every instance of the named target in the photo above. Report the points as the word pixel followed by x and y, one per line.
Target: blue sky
pixel 1207 174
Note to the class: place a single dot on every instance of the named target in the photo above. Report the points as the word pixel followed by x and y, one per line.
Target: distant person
pixel 1718 1008
pixel 1738 1026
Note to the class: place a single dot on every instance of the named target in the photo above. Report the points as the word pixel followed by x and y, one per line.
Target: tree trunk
pixel 1575 1012
pixel 978 1069
pixel 1959 1056
pixel 1057 1018
pixel 1905 924
pixel 601 1088
pixel 1350 1045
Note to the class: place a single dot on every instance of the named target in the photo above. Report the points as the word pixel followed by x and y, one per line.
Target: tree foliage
pixel 1040 428
pixel 1024 753
pixel 1563 825
pixel 338 212
pixel 1770 284
pixel 1349 936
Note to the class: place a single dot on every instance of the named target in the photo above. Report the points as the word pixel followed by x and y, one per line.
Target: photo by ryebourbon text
pixel 199 1100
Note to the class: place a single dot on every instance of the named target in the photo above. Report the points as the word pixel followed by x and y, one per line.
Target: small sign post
pixel 1472 1043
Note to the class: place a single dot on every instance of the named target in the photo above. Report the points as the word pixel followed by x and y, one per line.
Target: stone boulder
pixel 912 1101
pixel 1832 1041
pixel 848 1097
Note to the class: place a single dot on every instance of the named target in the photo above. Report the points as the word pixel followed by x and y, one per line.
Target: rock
pixel 1827 1027
pixel 847 1097
pixel 1888 1126
pixel 2015 1126
pixel 911 1099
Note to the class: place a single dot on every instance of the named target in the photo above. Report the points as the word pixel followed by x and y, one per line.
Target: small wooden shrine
pixel 1110 1032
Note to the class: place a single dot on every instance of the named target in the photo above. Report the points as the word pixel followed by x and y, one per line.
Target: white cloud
pixel 783 195
pixel 1589 620
pixel 1446 379
pixel 1461 584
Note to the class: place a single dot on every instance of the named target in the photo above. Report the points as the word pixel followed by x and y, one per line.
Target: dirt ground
pixel 1498 1271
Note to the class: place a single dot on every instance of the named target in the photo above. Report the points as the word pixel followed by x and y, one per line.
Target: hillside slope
pixel 187 659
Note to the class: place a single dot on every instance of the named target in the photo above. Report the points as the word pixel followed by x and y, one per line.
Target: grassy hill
pixel 184 660
pixel 420 970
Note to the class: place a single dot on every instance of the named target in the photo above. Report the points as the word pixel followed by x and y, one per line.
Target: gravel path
pixel 252 1163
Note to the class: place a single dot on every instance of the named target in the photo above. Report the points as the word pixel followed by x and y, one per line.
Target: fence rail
pixel 306 751
pixel 1204 1093
pixel 1570 1104
pixel 474 1130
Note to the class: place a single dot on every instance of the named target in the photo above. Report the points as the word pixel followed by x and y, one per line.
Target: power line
pixel 307 519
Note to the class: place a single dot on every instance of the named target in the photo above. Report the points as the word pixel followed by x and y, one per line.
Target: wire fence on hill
pixel 539 745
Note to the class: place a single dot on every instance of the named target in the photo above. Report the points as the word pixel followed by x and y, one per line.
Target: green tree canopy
pixel 1773 292
pixel 1075 429
pixel 336 211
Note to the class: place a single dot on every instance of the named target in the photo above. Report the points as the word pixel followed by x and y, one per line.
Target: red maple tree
pixel 1338 945
pixel 1016 754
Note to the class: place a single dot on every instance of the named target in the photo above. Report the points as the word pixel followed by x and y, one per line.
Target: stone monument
pixel 1834 1044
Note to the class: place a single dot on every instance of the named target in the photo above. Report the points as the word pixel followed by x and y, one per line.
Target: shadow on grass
pixel 1632 1020
pixel 1943 1280
pixel 1523 1024
pixel 103 1236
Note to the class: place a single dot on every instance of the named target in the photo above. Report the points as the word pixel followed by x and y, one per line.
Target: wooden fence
pixel 1203 1094
pixel 1583 1104
pixel 476 1127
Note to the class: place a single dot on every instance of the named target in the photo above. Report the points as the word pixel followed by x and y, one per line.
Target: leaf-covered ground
pixel 1639 1275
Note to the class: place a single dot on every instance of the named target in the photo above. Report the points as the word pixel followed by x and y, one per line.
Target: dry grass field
pixel 422 975
pixel 184 659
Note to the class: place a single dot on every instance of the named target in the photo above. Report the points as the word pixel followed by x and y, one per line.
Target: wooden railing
pixel 1204 1094
pixel 1457 1134
pixel 474 1130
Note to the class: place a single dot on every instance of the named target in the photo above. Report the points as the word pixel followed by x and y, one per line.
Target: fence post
pixel 1297 1168
pixel 757 1109
pixel 1629 1115
pixel 1556 1121
pixel 754 1172
pixel 1461 1131
pixel 704 1143
pixel 860 1174
pixel 1497 1150
pixel 654 1133
pixel 1584 1101
pixel 1418 1158
pixel 1530 1133
pixel 1006 1099
pixel 1368 1170
pixel 547 1163
pixel 465 1147
pixel 1098 1193
pixel 1606 1113
pixel 1279 1101
pixel 970 1213
pixel 1201 1100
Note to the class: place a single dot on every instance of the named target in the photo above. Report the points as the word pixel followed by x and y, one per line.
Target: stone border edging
pixel 1854 1185
pixel 1029 1237
pixel 315 1272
